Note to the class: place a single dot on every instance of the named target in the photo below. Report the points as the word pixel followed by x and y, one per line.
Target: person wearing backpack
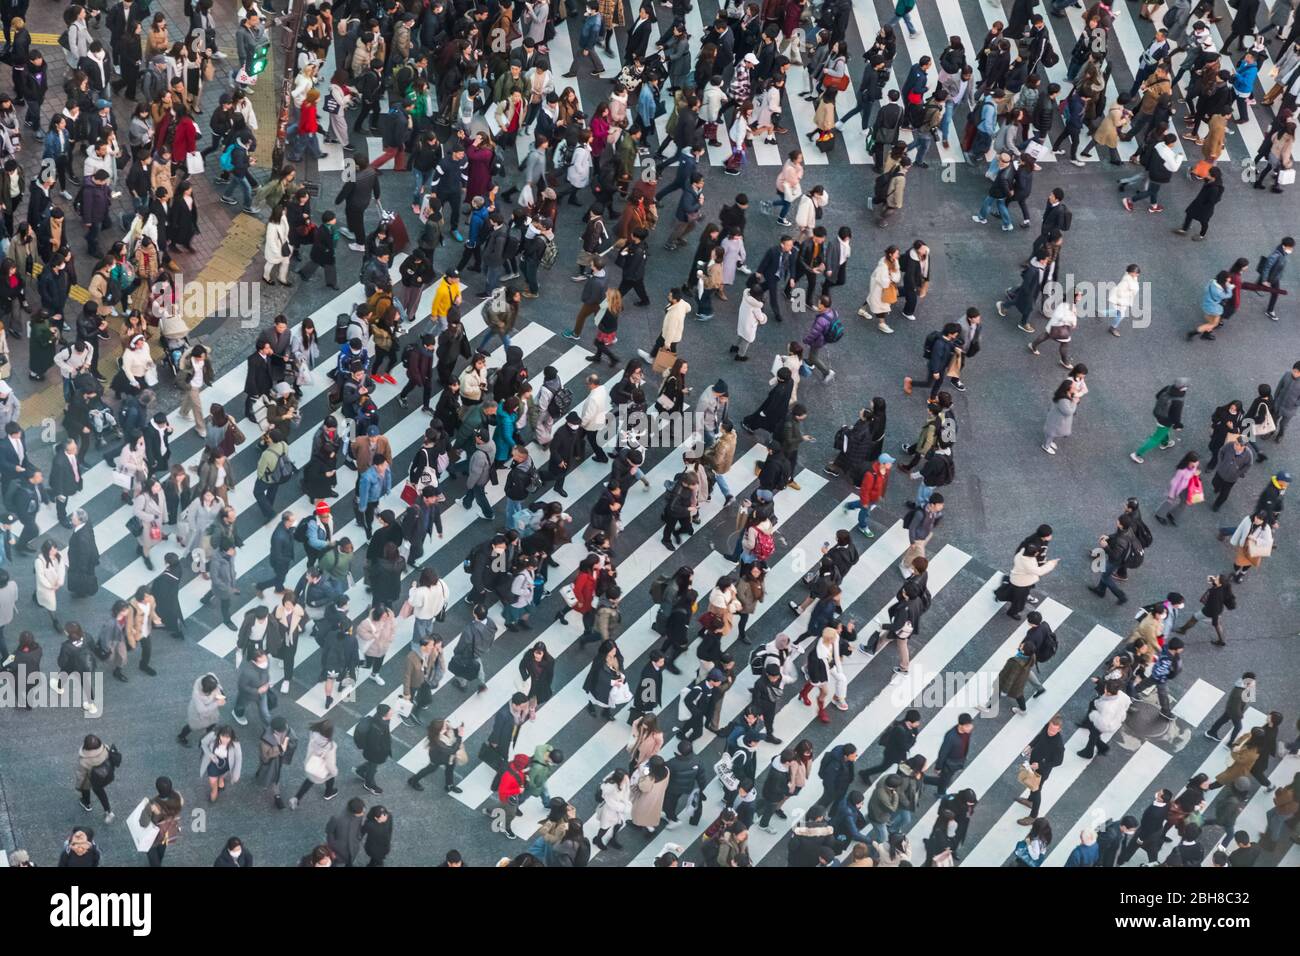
pixel 826 329
pixel 1168 413
pixel 274 468
pixel 374 739
pixel 235 161
pixel 1117 548
pixel 1043 643
pixel 938 352
pixel 95 771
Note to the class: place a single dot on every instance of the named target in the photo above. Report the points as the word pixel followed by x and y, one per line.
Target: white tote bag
pixel 194 163
pixel 619 694
pixel 143 835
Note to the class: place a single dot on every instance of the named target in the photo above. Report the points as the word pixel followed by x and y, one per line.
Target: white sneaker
pixel 1050 449
pixel 110 817
pixel 242 721
pixel 829 375
pixel 65 194
pixel 284 687
pixel 910 318
pixel 377 679
pixel 884 327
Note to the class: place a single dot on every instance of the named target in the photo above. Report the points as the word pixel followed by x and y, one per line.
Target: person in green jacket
pixel 546 758
pixel 903 11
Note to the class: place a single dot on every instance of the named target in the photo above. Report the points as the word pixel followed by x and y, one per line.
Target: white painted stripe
pixel 793 717
pixel 1004 749
pixel 560 50
pixel 801 113
pixel 1122 790
pixel 478 710
pixel 1197 703
pixel 875 717
pixel 917 47
pixel 634 640
pixel 111 529
pixel 1254 815
pixel 607 743
pixel 221 641
pixel 1292 857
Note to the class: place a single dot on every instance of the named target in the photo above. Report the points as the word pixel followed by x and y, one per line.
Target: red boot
pixel 824 717
pixel 803 694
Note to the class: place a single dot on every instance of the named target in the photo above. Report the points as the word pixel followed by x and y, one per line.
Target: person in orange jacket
pixel 871 491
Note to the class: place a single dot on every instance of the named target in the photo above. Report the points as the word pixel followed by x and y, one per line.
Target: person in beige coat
pixel 647 739
pixel 150 507
pixel 886 278
pixel 1108 131
pixel 649 785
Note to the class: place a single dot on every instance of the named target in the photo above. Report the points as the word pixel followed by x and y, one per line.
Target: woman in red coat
pixel 308 127
pixel 184 141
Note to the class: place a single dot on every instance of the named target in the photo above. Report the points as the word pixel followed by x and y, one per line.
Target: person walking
pixel 1184 489
pixel 1060 417
pixel 321 763
pixel 1044 753
pixel 1234 462
pixel 1168 413
pixel 1217 598
pixel 374 738
pixel 96 769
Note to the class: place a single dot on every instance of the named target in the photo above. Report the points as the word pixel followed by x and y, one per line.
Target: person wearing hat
pixel 1168 414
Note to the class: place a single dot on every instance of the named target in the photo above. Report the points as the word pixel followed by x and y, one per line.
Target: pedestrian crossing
pixel 963 637
pixel 935 22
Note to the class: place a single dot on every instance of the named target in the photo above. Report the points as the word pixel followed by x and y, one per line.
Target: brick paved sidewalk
pixel 228 243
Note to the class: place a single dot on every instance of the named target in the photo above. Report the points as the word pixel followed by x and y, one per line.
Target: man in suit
pixel 65 479
pixel 259 378
pixel 638 35
pixel 777 269
pixel 14 464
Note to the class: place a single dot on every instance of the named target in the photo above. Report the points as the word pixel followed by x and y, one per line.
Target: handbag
pixel 315 766
pixel 1195 490
pixel 619 694
pixel 409 495
pixel 194 163
pixel 1267 426
pixel 134 526
pixel 838 83
pixel 889 294
pixel 143 834
pixel 155 532
pixel 462 756
pixel 1285 177
pixel 570 595
pixel 121 479
pixel 1029 778
pixel 491 756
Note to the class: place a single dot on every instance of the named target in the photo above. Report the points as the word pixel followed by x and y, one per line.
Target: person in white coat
pixel 805 209
pixel 221 760
pixel 206 700
pixel 1105 717
pixel 321 765
pixel 595 412
pixel 614 810
pixel 51 574
pixel 748 320
pixel 886 277
pixel 578 175
pixel 1122 297
pixel 276 248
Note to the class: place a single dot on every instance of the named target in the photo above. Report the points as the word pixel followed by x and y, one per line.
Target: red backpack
pixel 763 544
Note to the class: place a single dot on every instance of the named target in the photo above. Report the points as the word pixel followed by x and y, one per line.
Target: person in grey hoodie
pixel 1234 461
pixel 221 571
pixel 474 643
pixel 253 684
pixel 343 833
pixel 1286 399
pixel 480 471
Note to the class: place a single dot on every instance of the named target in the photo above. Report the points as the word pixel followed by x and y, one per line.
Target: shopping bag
pixel 403 707
pixel 1195 490
pixel 144 834
pixel 194 163
pixel 1285 177
pixel 1028 778
pixel 664 359
pixel 409 495
pixel 570 595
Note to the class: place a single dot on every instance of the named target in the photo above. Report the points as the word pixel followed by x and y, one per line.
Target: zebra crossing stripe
pixel 634 640
pixel 1005 747
pixel 221 641
pixel 481 708
pixel 998 841
pixel 875 717
pixel 794 717
pixel 589 760
pixel 1122 790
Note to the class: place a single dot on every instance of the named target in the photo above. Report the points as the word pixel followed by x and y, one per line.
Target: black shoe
pixel 454 789
pixel 145 668
pixel 279 803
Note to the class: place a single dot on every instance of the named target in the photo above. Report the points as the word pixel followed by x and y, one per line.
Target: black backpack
pixel 300 531
pixel 1048 646
pixel 560 403
pixel 928 349
pixel 341 328
pixel 360 733
pixel 659 587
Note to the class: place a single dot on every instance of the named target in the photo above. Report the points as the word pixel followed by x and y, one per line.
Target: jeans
pixel 921 143
pixel 264 493
pixel 1107 582
pixel 514 508
pixel 990 204
pixel 864 511
pixel 246 191
pixel 503 336
pixel 263 709
pixel 420 181
pixel 721 482
pixel 906 18
pixel 782 206
pixel 1151 192
pixel 923 494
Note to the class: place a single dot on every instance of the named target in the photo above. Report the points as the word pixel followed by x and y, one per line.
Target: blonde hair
pixel 16 24
pixel 615 300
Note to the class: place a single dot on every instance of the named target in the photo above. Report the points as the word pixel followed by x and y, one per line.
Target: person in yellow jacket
pixel 446 293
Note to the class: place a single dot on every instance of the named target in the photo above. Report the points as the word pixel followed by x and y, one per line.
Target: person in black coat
pixel 183 219
pixel 377 832
pixel 166 595
pixel 83 557
pixel 836 772
pixel 259 377
pixel 1201 209
pixel 1118 841
pixel 565 448
pixel 321 255
pixel 65 479
pixel 685 774
pixel 775 407
pixel 897 742
pixel 234 856
pixel 1045 752
pixel 813 839
pixel 648 695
